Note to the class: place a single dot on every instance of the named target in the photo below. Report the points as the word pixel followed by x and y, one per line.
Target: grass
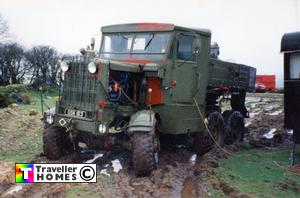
pixel 49 98
pixel 260 172
pixel 21 139
pixel 22 145
pixel 22 134
pixel 24 149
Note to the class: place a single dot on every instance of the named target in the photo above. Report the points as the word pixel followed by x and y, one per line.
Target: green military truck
pixel 148 79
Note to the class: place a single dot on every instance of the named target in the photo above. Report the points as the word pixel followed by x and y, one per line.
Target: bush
pixel 11 88
pixel 6 91
pixel 4 100
pixel 26 98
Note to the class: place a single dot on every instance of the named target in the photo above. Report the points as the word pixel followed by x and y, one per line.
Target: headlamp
pixel 49 119
pixel 64 66
pixel 92 67
pixel 102 128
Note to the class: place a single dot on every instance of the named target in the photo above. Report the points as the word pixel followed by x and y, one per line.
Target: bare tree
pixel 43 61
pixel 4 30
pixel 12 65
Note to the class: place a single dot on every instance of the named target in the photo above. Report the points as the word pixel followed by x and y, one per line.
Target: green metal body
pixel 180 81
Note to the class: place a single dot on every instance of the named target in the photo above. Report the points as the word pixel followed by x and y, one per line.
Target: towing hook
pixel 69 125
pixel 72 132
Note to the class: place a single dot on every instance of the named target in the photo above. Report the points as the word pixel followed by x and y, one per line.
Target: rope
pixel 134 103
pixel 215 142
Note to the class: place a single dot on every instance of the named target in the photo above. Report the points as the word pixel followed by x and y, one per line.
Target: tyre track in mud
pixel 177 176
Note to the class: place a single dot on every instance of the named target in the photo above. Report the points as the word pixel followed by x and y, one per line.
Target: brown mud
pixel 180 172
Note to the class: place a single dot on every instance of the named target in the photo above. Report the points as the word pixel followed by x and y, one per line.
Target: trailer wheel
pixel 145 147
pixel 55 142
pixel 216 128
pixel 235 128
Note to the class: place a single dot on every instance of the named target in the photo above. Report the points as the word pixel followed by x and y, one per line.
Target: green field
pixel 21 133
pixel 49 98
pixel 260 172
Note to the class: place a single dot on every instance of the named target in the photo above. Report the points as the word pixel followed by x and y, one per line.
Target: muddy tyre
pixel 55 142
pixel 202 143
pixel 235 128
pixel 226 115
pixel 216 128
pixel 144 154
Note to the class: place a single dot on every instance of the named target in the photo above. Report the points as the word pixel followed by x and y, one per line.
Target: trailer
pixel 290 47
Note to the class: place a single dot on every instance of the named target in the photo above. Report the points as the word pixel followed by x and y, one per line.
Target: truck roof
pixel 150 27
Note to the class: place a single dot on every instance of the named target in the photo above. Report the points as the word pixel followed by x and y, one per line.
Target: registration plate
pixel 75 113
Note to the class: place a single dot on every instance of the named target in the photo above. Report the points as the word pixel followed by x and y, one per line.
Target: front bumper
pixel 77 123
pixel 105 116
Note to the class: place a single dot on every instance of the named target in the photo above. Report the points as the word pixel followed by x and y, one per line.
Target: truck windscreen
pixel 139 45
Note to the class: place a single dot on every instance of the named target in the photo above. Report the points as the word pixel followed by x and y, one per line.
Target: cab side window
pixel 295 65
pixel 185 47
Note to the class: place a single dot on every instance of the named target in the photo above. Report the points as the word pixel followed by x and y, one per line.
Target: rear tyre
pixel 144 152
pixel 56 142
pixel 216 128
pixel 235 128
pixel 226 115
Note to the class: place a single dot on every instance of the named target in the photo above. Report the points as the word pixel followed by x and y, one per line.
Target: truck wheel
pixel 226 115
pixel 216 128
pixel 235 128
pixel 202 143
pixel 144 153
pixel 56 142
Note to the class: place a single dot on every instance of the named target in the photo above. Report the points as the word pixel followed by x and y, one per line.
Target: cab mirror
pixel 196 50
pixel 92 43
pixel 197 45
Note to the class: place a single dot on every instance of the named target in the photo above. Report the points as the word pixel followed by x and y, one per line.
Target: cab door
pixel 185 75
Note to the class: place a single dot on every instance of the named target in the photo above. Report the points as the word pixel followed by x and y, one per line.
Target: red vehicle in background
pixel 265 83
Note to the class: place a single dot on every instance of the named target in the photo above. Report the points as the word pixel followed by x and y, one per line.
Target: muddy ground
pixel 181 173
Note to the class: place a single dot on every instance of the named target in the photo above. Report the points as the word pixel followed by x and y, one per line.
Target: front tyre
pixel 55 142
pixel 144 152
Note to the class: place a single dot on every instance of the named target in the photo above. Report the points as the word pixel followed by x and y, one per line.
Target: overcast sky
pixel 248 31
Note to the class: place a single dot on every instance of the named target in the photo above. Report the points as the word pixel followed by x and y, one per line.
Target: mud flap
pixel 143 121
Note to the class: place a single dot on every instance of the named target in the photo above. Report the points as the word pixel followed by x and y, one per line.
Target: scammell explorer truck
pixel 148 79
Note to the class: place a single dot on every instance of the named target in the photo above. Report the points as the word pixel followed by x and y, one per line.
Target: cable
pixel 134 103
pixel 203 119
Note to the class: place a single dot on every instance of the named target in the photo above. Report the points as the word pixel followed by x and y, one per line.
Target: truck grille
pixel 79 88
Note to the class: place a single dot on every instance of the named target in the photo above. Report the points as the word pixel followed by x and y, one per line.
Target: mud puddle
pixel 189 188
pixel 265 125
